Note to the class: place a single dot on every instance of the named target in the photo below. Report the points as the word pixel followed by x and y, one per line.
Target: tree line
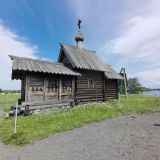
pixel 9 91
pixel 135 86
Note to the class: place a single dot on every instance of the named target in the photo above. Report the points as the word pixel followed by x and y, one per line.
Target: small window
pixel 91 84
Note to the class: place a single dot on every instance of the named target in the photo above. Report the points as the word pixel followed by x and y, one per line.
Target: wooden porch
pixel 47 90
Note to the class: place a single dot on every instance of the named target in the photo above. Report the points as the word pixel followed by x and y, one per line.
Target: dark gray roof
pixel 33 65
pixel 79 58
pixel 87 59
pixel 83 58
pixel 111 73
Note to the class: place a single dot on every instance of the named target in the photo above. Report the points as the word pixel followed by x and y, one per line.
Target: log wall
pixel 111 89
pixel 89 87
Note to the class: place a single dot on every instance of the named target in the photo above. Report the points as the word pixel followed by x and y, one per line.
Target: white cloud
pixel 140 38
pixel 138 44
pixel 134 36
pixel 11 44
pixel 150 78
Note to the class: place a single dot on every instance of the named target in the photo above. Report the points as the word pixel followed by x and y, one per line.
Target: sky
pixel 124 33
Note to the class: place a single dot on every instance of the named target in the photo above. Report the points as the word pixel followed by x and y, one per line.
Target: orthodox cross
pixel 79 24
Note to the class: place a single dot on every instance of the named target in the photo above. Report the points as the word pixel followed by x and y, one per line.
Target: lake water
pixel 150 93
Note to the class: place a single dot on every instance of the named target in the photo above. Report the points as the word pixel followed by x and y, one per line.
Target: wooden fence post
pixel 15 121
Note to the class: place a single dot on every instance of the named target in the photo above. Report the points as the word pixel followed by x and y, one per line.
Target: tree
pixel 0 90
pixel 134 85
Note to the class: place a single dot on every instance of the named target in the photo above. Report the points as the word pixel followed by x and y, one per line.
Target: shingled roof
pixel 111 73
pixel 82 58
pixel 79 58
pixel 87 59
pixel 34 65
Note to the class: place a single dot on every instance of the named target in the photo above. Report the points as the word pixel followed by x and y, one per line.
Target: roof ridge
pixel 63 44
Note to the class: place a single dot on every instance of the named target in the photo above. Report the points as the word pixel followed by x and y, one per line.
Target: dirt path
pixel 122 138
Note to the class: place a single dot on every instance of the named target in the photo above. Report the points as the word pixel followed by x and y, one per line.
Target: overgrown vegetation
pixel 38 126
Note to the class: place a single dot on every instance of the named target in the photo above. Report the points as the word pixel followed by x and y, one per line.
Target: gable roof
pixel 34 65
pixel 111 73
pixel 79 58
pixel 87 59
pixel 82 58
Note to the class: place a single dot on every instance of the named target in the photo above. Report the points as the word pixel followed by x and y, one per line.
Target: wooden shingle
pixel 34 65
pixel 87 59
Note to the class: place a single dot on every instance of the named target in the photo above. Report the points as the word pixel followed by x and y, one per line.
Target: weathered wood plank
pixel 73 87
pixel 60 88
pixel 26 88
pixel 44 90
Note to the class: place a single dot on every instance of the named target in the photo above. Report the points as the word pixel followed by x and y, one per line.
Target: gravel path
pixel 133 137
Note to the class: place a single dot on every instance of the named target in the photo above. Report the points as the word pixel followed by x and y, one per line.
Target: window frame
pixel 91 83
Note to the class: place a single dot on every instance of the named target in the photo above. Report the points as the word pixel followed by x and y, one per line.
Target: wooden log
pixel 73 87
pixel 90 100
pixel 88 92
pixel 44 88
pixel 91 95
pixel 59 88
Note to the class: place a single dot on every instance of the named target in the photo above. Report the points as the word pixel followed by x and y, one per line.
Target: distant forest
pixel 9 91
pixel 134 86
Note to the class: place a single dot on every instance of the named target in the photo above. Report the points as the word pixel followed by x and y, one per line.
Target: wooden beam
pixel 125 83
pixel 22 88
pixel 125 80
pixel 73 87
pixel 117 83
pixel 44 88
pixel 76 91
pixel 26 88
pixel 60 89
pixel 104 85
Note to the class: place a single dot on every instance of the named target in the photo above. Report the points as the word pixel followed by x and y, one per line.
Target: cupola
pixel 79 37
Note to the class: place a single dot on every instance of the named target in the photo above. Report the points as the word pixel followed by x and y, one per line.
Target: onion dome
pixel 79 37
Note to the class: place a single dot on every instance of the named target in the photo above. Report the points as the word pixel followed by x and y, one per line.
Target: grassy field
pixel 39 126
pixel 7 100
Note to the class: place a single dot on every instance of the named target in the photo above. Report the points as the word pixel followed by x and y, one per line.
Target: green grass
pixel 58 120
pixel 7 100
